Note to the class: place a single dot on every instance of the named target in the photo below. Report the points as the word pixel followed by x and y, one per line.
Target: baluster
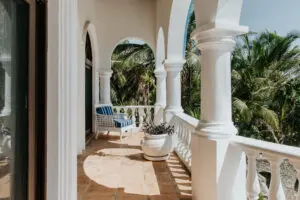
pixel 118 110
pixel 133 116
pixel 188 133
pixel 276 190
pixel 186 150
pixel 126 111
pixel 148 110
pixel 253 187
pixel 141 117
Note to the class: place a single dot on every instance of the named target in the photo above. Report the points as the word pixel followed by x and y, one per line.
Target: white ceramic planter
pixel 157 147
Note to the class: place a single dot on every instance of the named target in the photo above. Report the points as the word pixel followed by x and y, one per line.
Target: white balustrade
pixel 275 154
pixel 184 126
pixel 142 113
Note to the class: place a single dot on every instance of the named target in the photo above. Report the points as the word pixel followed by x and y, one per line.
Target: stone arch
pixel 89 29
pixel 132 38
pixel 177 29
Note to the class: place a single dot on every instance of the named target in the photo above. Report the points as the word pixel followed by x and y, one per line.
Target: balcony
pixel 116 169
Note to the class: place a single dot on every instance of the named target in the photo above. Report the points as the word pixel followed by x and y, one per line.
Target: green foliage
pixel 133 80
pixel 265 87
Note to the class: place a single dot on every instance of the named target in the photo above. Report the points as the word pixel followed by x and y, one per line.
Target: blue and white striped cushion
pixel 105 110
pixel 109 110
pixel 121 123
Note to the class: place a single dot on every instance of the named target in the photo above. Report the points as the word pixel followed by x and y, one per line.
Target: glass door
pixel 14 34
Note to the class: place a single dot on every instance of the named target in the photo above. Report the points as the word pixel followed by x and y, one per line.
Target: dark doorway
pixel 88 86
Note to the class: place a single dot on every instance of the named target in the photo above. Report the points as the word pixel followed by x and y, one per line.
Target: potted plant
pixel 157 142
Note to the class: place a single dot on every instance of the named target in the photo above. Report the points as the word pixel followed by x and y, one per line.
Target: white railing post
pixel 253 187
pixel 276 190
pixel 141 117
pixel 133 109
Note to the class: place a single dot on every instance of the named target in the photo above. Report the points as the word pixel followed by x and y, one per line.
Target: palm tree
pixel 263 66
pixel 133 78
pixel 190 75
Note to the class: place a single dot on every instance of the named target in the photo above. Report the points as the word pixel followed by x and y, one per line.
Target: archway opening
pixel 190 75
pixel 133 79
pixel 88 87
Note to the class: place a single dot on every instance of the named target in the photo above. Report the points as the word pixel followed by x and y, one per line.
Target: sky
pixel 281 16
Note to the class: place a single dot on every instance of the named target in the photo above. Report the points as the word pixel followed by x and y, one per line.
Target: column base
pixel 218 168
pixel 216 130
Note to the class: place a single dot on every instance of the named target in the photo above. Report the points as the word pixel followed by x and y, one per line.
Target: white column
pixel 7 100
pixel 173 68
pixel 105 75
pixel 218 169
pixel 62 97
pixel 161 94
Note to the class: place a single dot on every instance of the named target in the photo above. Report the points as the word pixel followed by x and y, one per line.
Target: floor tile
pixel 110 169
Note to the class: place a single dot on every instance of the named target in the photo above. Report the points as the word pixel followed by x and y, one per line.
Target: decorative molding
pixel 218 36
pixel 216 130
pixel 105 72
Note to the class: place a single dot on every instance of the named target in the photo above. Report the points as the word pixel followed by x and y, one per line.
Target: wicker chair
pixel 108 121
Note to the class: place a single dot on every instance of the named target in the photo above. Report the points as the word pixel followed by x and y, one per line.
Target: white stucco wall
pixel 119 19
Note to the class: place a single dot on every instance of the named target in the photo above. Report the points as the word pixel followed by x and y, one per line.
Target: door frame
pixel 36 99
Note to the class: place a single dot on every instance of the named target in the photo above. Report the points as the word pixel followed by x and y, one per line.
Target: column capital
pixel 174 65
pixel 218 35
pixel 105 72
pixel 216 130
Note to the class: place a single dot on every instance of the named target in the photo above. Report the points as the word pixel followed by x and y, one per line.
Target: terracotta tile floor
pixel 114 170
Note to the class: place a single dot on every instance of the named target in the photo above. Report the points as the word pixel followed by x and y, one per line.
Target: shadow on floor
pixel 110 169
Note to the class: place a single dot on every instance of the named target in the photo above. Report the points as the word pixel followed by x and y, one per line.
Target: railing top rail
pixel 187 119
pixel 269 148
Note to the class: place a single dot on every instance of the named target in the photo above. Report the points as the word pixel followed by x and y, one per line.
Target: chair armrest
pixel 105 120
